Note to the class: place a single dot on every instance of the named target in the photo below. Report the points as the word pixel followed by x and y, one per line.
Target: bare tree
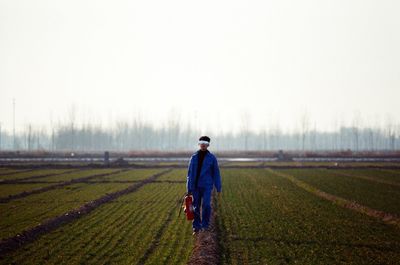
pixel 390 133
pixel 264 134
pixel 356 124
pixel 173 128
pixel 29 137
pixel 245 128
pixel 304 127
pixel 72 125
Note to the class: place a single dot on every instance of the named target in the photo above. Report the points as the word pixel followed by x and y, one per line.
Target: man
pixel 203 174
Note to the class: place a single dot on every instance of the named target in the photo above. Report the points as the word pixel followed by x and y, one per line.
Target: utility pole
pixel 14 143
pixel 52 139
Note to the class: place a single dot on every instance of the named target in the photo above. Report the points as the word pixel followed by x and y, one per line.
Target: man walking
pixel 203 174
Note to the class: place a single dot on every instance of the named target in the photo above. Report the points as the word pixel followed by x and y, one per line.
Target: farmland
pixel 278 222
pixel 266 215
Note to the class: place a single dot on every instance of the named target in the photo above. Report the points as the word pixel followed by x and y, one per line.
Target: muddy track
pixel 56 186
pixel 18 180
pixel 13 243
pixel 385 217
pixel 206 250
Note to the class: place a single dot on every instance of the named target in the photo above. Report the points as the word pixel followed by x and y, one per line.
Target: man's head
pixel 204 142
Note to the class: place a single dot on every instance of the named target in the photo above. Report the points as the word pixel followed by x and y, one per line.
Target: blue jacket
pixel 209 174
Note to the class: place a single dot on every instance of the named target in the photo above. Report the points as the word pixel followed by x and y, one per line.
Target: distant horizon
pixel 272 61
pixel 243 119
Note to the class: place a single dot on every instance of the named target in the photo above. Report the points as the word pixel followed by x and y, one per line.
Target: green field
pixel 266 219
pixel 21 174
pixel 262 217
pixel 351 185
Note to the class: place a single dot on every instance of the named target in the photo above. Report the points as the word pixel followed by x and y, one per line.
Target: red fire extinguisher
pixel 189 210
pixel 187 205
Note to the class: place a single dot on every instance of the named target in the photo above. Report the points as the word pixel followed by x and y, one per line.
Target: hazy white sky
pixel 210 61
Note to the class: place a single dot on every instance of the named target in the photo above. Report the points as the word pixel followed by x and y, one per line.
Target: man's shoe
pixel 195 231
pixel 205 229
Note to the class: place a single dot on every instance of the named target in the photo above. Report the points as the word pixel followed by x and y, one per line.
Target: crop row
pixel 25 186
pixel 11 171
pixel 388 175
pixel 354 185
pixel 137 228
pixel 28 185
pixel 21 174
pixel 27 212
pixel 266 219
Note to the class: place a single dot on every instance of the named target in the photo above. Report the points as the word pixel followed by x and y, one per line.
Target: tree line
pixel 138 135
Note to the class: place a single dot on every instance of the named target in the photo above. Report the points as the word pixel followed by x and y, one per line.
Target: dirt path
pixel 57 185
pixel 206 248
pixel 387 218
pixel 30 235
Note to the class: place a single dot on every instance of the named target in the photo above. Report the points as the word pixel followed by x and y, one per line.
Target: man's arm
pixel 188 177
pixel 216 175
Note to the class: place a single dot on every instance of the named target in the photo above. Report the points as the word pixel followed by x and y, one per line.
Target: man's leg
pixel 206 210
pixel 196 204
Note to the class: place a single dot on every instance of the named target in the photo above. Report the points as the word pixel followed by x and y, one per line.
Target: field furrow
pixel 86 176
pixel 373 194
pixel 27 174
pixel 124 231
pixel 267 219
pixel 285 215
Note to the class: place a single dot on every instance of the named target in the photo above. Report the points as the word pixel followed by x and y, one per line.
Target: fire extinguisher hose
pixel 180 205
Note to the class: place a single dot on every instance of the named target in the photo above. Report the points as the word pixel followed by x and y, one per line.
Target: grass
pixel 266 219
pixel 379 196
pixel 120 232
pixel 25 213
pixel 5 170
pixel 175 175
pixel 379 174
pixel 262 218
pixel 12 189
pixel 131 175
pixel 21 175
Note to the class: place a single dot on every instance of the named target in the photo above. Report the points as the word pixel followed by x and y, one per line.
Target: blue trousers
pixel 201 196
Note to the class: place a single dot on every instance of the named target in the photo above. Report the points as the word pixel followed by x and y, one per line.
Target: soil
pixel 206 248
